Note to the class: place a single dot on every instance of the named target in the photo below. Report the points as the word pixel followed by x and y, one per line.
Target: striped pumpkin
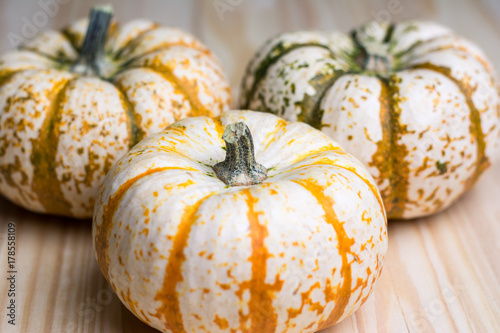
pixel 290 239
pixel 71 106
pixel 413 101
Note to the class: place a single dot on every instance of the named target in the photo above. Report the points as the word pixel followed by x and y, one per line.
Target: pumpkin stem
pixel 92 52
pixel 239 168
pixel 373 40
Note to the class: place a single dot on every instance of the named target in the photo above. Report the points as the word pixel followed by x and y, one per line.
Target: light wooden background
pixel 442 273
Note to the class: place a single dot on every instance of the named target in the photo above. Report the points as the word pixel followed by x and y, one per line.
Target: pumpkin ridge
pixel 56 61
pixel 71 39
pixel 390 32
pixel 328 162
pixel 118 53
pixel 418 43
pixel 219 128
pixel 389 158
pixel 464 52
pixel 262 315
pixel 482 161
pixel 311 112
pixel 134 120
pixel 44 155
pixel 280 127
pixel 344 245
pixel 186 88
pixel 265 64
pixel 169 151
pixel 373 56
pixel 8 169
pixel 103 233
pixel 164 47
pixel 168 296
pixel 328 147
pixel 7 76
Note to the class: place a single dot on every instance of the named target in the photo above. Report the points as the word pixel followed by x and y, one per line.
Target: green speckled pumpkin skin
pixel 61 131
pixel 415 102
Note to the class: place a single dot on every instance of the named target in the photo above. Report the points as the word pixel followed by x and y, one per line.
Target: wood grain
pixel 442 273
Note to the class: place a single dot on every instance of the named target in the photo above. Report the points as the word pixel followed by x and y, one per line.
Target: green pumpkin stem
pixel 239 168
pixel 92 52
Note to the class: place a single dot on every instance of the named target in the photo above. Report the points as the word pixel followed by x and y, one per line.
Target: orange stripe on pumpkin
pixel 43 157
pixel 390 156
pixel 262 315
pixel 327 161
pixel 271 136
pixel 219 128
pixel 103 231
pixel 187 88
pixel 343 294
pixel 329 147
pixel 306 300
pixel 134 119
pixel 170 308
pixel 482 162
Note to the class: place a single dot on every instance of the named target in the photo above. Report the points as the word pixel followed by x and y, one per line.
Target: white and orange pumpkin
pixel 415 102
pixel 196 233
pixel 72 102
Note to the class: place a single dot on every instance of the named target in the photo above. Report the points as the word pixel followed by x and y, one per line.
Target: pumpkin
pixel 73 101
pixel 240 223
pixel 413 101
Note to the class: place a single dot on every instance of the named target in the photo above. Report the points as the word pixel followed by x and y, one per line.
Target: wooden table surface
pixel 442 274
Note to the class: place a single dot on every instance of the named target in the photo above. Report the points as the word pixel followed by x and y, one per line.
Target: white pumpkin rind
pixel 186 253
pixel 60 132
pixel 426 130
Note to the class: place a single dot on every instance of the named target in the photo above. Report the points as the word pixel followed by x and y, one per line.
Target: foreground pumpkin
pixel 71 105
pixel 413 101
pixel 196 234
